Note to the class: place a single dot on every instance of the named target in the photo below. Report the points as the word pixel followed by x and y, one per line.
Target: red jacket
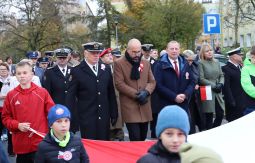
pixel 26 105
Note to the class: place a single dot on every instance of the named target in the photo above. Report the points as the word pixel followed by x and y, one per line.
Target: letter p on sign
pixel 211 23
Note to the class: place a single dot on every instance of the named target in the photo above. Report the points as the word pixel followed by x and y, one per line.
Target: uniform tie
pixel 176 68
pixel 63 71
pixel 94 68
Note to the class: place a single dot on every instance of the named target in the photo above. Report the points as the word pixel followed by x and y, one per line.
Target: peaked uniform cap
pixel 234 51
pixel 93 46
pixel 147 47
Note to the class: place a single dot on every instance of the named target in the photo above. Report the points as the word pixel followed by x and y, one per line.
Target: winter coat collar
pixel 49 139
pixel 101 68
pixel 167 64
pixel 159 149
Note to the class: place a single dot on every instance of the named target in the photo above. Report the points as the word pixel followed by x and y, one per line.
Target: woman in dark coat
pixel 196 114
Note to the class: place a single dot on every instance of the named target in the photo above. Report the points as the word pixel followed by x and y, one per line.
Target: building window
pixel 230 41
pixel 241 40
pixel 225 43
pixel 248 40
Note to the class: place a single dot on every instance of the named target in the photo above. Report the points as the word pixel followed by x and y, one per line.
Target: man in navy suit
pixel 233 91
pixel 91 83
pixel 175 82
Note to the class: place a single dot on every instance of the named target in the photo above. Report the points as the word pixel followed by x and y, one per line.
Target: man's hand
pixel 23 127
pixel 180 98
pixel 142 96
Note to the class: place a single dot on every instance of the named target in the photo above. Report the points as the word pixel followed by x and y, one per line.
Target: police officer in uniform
pixel 43 62
pixel 91 83
pixel 38 71
pixel 233 91
pixel 146 50
pixel 56 78
pixel 49 55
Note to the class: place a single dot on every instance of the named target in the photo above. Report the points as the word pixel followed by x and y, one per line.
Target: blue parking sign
pixel 211 23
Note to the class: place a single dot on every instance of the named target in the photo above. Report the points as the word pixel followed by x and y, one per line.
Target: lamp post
pixel 116 18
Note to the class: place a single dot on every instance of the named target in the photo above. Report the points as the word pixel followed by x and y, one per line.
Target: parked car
pixel 221 58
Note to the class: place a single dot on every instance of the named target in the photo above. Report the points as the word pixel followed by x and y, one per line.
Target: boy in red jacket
pixel 26 107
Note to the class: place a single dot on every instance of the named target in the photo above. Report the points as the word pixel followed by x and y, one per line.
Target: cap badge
pixel 96 46
pixel 59 111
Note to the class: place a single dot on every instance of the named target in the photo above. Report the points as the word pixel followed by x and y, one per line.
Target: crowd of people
pixel 57 91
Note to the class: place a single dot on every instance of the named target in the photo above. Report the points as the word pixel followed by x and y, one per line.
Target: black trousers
pixel 25 158
pixel 137 131
pixel 196 116
pixel 10 146
pixel 218 119
pixel 153 125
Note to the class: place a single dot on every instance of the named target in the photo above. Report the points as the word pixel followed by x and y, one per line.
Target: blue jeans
pixel 3 155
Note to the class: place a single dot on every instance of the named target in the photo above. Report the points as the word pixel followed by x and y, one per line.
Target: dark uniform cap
pixel 116 52
pixel 32 54
pixel 93 47
pixel 62 52
pixel 49 53
pixel 43 60
pixel 235 51
pixel 106 51
pixel 75 54
pixel 147 47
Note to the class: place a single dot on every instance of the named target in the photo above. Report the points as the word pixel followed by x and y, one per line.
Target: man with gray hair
pixel 135 83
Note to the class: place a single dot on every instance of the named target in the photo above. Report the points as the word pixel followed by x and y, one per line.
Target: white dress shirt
pixel 91 67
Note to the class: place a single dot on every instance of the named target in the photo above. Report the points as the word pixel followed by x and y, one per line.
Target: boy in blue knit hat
pixel 172 129
pixel 60 145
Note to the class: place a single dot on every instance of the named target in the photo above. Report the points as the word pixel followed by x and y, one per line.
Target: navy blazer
pixel 169 85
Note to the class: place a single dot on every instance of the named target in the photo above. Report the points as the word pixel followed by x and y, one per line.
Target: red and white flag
pixel 206 93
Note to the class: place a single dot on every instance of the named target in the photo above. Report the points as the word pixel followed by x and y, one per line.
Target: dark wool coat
pixel 57 84
pixel 96 100
pixel 158 154
pixel 169 85
pixel 233 92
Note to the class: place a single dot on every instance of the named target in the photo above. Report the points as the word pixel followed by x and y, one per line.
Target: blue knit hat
pixel 172 116
pixel 56 112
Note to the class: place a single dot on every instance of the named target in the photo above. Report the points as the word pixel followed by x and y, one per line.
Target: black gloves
pixel 113 121
pixel 142 97
pixel 217 88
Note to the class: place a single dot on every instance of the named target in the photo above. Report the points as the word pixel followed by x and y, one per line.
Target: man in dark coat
pixel 233 92
pixel 50 54
pixel 174 79
pixel 56 78
pixel 146 50
pixel 91 83
pixel 56 81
